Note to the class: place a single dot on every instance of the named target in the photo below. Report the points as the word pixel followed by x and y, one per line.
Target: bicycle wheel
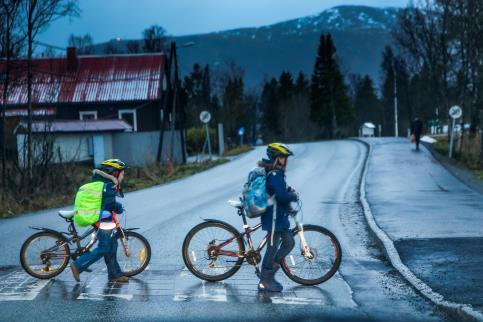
pixel 45 254
pixel 213 251
pixel 139 253
pixel 325 250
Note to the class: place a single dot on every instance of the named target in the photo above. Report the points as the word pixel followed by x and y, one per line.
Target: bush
pixel 195 138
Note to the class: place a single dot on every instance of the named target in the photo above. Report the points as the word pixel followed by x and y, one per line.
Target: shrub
pixel 195 139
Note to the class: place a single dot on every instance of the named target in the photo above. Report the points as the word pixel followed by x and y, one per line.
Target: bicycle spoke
pixel 324 257
pixel 206 257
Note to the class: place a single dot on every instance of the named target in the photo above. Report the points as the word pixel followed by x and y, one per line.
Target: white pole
pixel 395 105
pixel 221 142
pixel 208 138
pixel 451 140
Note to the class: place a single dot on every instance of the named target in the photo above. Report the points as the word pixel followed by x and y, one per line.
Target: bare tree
pixel 83 44
pixel 39 14
pixel 11 43
pixel 154 39
pixel 133 47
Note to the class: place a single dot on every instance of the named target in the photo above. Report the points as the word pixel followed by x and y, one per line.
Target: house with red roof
pixel 128 87
pixel 91 97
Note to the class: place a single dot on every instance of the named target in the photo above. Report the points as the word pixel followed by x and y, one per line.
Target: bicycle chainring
pixel 253 257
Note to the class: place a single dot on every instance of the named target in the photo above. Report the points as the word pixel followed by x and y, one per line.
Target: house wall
pixel 147 113
pixel 135 148
pixel 66 147
pixel 139 149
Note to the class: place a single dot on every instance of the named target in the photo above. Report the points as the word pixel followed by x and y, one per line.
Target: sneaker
pixel 120 279
pixel 75 272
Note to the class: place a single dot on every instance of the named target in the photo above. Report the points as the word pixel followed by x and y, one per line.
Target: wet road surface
pixel 434 219
pixel 326 175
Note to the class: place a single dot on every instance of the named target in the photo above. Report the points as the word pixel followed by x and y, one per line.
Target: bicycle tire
pixel 145 252
pixel 197 229
pixel 334 266
pixel 23 252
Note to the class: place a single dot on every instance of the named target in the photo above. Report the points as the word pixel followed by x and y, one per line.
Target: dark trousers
pixel 417 139
pixel 107 248
pixel 283 244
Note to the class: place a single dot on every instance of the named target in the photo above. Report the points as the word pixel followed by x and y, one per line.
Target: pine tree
pixel 387 67
pixel 367 105
pixel 330 105
pixel 270 112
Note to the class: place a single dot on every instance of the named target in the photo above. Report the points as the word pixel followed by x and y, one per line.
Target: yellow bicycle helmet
pixel 275 150
pixel 112 165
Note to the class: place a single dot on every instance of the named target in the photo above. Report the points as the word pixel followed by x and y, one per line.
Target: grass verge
pixel 14 204
pixel 466 157
pixel 239 149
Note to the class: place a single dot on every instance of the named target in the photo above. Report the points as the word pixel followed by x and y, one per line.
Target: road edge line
pixel 392 254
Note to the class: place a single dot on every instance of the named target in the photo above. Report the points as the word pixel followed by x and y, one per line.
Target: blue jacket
pixel 276 185
pixel 109 203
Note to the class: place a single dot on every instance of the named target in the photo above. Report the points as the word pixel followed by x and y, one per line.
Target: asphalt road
pixel 327 176
pixel 433 217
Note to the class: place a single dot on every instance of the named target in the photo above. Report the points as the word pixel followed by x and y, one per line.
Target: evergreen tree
pixel 270 112
pixel 197 88
pixel 387 67
pixel 330 105
pixel 367 105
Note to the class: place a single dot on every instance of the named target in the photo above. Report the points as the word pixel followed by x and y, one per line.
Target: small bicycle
pixel 214 250
pixel 46 254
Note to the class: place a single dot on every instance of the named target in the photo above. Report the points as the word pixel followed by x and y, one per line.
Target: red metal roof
pixel 110 78
pixel 77 126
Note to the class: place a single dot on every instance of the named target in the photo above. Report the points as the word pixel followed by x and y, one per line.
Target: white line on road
pixel 18 286
pixel 102 297
pixel 295 300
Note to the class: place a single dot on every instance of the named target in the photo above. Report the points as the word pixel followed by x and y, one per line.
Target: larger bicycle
pixel 214 250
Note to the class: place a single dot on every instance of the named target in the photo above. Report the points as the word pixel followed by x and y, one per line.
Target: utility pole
pixel 396 131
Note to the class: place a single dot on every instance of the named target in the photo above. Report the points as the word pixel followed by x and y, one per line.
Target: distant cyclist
pixel 275 220
pixel 111 173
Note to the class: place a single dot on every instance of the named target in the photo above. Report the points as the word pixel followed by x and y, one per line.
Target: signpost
pixel 241 132
pixel 205 117
pixel 455 112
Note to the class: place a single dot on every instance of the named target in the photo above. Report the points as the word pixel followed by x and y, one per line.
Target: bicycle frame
pixel 75 239
pixel 246 235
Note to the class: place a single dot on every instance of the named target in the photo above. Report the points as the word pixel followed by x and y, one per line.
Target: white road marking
pixel 102 297
pixel 295 300
pixel 18 286
pixel 210 293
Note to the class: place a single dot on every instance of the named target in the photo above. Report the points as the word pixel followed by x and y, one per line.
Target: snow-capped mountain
pixel 360 34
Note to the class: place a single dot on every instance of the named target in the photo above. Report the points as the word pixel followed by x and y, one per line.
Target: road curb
pixel 464 310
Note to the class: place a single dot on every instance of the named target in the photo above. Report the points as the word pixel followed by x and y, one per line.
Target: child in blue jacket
pixel 275 220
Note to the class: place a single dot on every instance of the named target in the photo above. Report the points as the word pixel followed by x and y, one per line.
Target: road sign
pixel 205 117
pixel 455 112
pixel 241 131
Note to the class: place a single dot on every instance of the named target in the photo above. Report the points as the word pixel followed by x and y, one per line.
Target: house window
pixel 130 117
pixel 88 115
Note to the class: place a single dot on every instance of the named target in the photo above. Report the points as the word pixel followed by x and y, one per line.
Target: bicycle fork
pixel 303 242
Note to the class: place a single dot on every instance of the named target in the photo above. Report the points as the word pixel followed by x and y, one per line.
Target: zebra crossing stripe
pixel 18 286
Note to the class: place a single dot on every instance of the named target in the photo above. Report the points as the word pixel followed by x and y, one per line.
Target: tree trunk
pixel 29 99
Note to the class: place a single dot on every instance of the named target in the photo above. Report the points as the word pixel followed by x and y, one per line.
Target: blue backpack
pixel 255 197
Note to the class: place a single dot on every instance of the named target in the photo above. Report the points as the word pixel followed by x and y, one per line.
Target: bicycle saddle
pixel 66 214
pixel 235 203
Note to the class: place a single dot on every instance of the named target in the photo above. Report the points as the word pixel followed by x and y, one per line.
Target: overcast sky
pixel 108 19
